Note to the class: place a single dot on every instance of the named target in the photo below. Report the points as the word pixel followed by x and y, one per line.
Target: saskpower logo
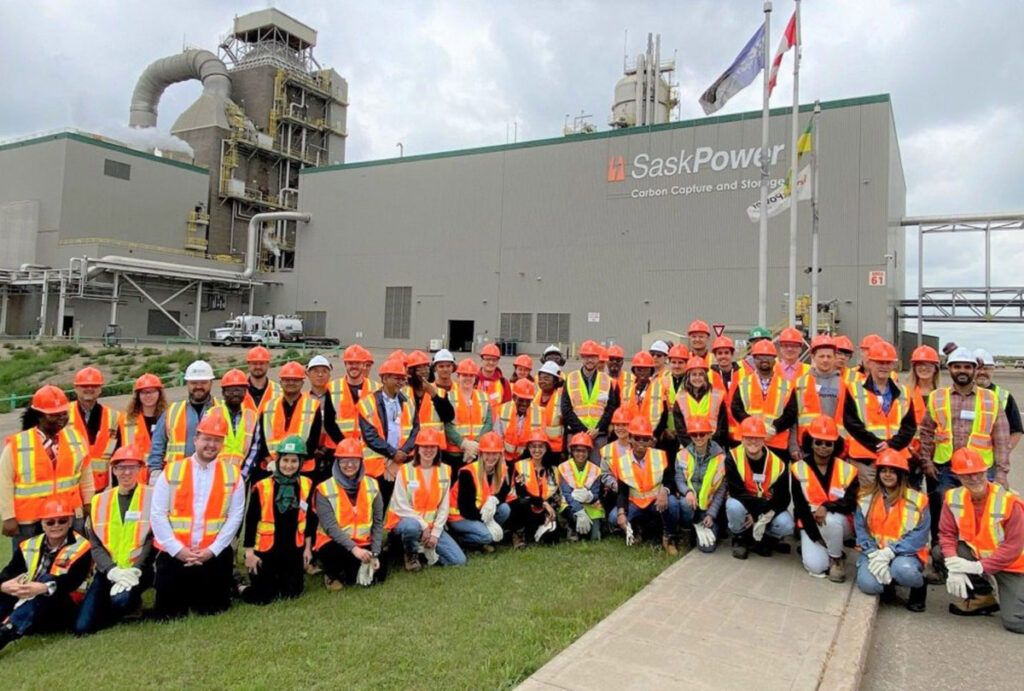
pixel 645 166
pixel 616 168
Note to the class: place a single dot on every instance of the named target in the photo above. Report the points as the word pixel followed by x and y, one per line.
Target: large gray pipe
pixel 191 64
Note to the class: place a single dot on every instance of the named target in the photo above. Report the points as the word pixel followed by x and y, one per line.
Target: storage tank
pixel 643 96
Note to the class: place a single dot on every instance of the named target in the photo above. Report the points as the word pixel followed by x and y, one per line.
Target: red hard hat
pixel 753 428
pixel 699 424
pixel 55 508
pixel 791 335
pixel 491 443
pixel 843 343
pixel 234 377
pixel 127 453
pixel 882 352
pixel 723 342
pixel 49 400
pixel 490 350
pixel 642 359
pixel 88 376
pixel 467 366
pixel 763 347
pixel 257 354
pixel 352 353
pixel 966 461
pixel 823 427
pixel 349 447
pixel 428 436
pixel 417 358
pixel 616 351
pixel 393 365
pixel 622 415
pixel 891 458
pixel 696 363
pixel 678 352
pixel 588 348
pixel 213 424
pixel 581 439
pixel 292 370
pixel 640 426
pixel 148 381
pixel 822 341
pixel 924 354
pixel 537 435
pixel 869 340
pixel 523 388
pixel 698 327
pixel 523 361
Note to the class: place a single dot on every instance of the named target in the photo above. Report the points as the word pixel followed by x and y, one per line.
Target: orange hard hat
pixel 882 352
pixel 88 376
pixel 234 377
pixel 50 400
pixel 257 354
pixel 869 340
pixel 537 435
pixel 213 424
pixel 640 426
pixel 823 427
pixel 393 365
pixel 349 447
pixel 467 366
pixel 292 370
pixel 822 341
pixel 417 358
pixel 491 443
pixel 723 342
pixel 622 415
pixel 55 508
pixel 127 453
pixel 763 347
pixel 616 351
pixel 148 381
pixel 924 354
pixel 678 352
pixel 966 461
pixel 399 355
pixel 429 436
pixel 490 350
pixel 700 424
pixel 642 359
pixel 891 458
pixel 696 363
pixel 365 356
pixel 523 361
pixel 791 335
pixel 581 439
pixel 603 356
pixel 843 343
pixel 588 348
pixel 352 353
pixel 523 388
pixel 753 428
pixel 698 327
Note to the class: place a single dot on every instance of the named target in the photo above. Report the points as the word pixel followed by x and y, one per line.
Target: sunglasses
pixel 56 521
pixel 824 442
pixel 700 434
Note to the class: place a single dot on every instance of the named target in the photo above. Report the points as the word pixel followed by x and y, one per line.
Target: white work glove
pixel 630 540
pixel 964 566
pixel 488 509
pixel 365 575
pixel 583 495
pixel 430 553
pixel 470 449
pixel 705 536
pixel 497 534
pixel 881 556
pixel 583 522
pixel 879 568
pixel 957 584
pixel 761 524
pixel 548 527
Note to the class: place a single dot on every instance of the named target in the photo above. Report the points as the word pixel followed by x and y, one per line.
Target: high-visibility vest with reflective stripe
pixel 649 403
pixel 809 405
pixel 265 528
pixel 484 490
pixel 469 414
pixel 717 382
pixel 713 476
pixel 920 408
pixel 1001 394
pixel 984 538
pixel 537 484
pixel 515 439
pixel 102 447
pixel 773 468
pixel 346 407
pixel 181 492
pixel 136 433
pixel 356 520
pixel 426 488
pixel 612 452
pixel 582 478
pixel 32 550
pixel 493 391
pixel 303 416
pixel 708 406
pixel 238 441
pixel 368 410
pixel 887 526
pixel 425 412
pixel 770 406
pixel 176 428
pixel 869 410
pixel 986 409
pixel 551 418
pixel 671 394
pixel 269 394
pixel 588 406
pixel 122 538
pixel 37 479
pixel 843 474
pixel 644 483
pixel 624 379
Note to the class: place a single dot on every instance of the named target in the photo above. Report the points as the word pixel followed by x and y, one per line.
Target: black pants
pixel 525 518
pixel 280 574
pixel 41 614
pixel 387 488
pixel 205 589
pixel 339 564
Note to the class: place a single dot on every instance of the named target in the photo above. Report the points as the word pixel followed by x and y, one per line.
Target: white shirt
pixel 202 479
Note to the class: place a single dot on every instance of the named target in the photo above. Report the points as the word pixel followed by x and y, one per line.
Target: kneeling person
pixel 536 494
pixel 479 509
pixel 580 483
pixel 700 477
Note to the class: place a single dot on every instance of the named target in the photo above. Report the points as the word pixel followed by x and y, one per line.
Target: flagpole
pixel 814 219
pixel 794 173
pixel 762 265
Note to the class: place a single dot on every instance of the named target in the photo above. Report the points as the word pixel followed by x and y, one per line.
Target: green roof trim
pixel 681 124
pixel 84 139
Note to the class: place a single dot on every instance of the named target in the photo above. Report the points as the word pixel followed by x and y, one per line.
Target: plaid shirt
pixel 962 430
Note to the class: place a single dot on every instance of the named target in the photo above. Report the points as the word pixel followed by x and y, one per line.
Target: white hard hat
pixel 199 370
pixel 984 357
pixel 659 346
pixel 444 355
pixel 551 367
pixel 962 355
pixel 319 361
pixel 552 349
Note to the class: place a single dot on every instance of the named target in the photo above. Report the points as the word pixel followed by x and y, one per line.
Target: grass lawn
pixel 487 625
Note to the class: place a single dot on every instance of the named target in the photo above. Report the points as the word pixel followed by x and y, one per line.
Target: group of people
pixel 350 476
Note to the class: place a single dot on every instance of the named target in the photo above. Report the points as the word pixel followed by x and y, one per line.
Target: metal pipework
pixel 191 64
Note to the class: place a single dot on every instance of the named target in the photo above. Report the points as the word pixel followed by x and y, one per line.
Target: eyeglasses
pixel 124 467
pixel 824 442
pixel 56 521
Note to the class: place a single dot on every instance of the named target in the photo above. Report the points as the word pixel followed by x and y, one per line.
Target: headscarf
pixel 286 490
pixel 349 484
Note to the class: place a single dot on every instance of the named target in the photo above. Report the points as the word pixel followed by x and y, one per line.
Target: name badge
pixel 132 515
pixel 837 492
pixel 966 414
pixel 602 398
pixel 817 387
pixel 303 506
pixel 758 477
pixel 414 484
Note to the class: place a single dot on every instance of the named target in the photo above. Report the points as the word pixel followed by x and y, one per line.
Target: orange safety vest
pixel 624 379
pixel 469 415
pixel 67 556
pixel 101 448
pixel 986 411
pixel 649 403
pixel 843 474
pixel 123 538
pixel 644 482
pixel 264 489
pixel 759 485
pixel 346 407
pixel 238 441
pixel 708 406
pixel 890 525
pixel 426 490
pixel 37 479
pixel 515 439
pixel 494 391
pixel 769 407
pixel 178 475
pixel 275 430
pixel 985 537
pixel 875 421
pixel 425 413
pixel 356 520
pixel 809 405
pixel 376 463
pixel 728 392
pixel 484 490
pixel 176 429
pixel 551 418
pixel 589 407
pixel 269 394
pixel 537 484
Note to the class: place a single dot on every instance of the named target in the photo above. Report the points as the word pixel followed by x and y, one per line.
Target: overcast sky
pixel 447 75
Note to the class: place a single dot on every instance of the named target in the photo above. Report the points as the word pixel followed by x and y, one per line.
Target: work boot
pixel 519 539
pixel 975 606
pixel 8 634
pixel 836 570
pixel 487 549
pixel 412 562
pixel 669 545
pixel 739 547
pixel 764 548
pixel 932 575
pixel 313 570
pixel 917 598
pixel 331 585
pixel 573 535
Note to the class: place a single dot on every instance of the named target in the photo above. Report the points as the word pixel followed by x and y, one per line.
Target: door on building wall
pixel 460 335
pixel 68 327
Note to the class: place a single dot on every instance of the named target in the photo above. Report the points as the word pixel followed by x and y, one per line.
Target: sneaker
pixel 331 585
pixel 8 634
pixel 669 545
pixel 975 606
pixel 836 571
pixel 412 562
pixel 815 575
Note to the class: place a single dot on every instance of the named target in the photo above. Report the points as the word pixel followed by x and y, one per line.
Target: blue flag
pixel 747 65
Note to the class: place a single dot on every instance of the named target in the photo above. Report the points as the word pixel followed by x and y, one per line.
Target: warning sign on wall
pixel 876 278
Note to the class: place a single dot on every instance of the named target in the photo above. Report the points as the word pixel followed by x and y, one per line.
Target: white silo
pixel 644 96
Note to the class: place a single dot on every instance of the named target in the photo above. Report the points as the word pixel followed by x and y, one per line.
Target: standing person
pixel 589 399
pixel 366 359
pixel 479 510
pixel 346 391
pixel 892 524
pixel 318 371
pixel 535 505
pixel 981 535
pixel 388 426
pixel 242 441
pixel 490 380
pixel 522 368
pixel 791 345
pixel 96 423
pixel 756 335
pixel 579 482
pixel 277 550
pixel 697 336
pixel 431 403
pixel 617 447
pixel 293 412
pixel 766 394
pixel 986 366
pixel 824 499
pixel 175 432
pixel 865 346
pixel 672 386
pixel 122 546
pixel 37 584
pixel 517 419
pixel 553 354
pixel 260 389
pixel 725 376
pixel 757 507
pixel 419 506
pixel 48 460
pixel 472 417
pixel 924 378
pixel 549 402
pixel 818 392
pixel 197 509
pixel 602 359
pixel 878 413
pixel 700 480
pixel 442 369
pixel 646 395
pixel 700 399
pixel 618 374
pixel 147 404
pixel 349 523
pixel 659 354
pixel 844 353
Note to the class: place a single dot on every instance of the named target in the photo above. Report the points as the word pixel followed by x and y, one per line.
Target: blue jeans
pixel 99 610
pixel 448 551
pixel 736 514
pixel 906 571
pixel 475 533
pixel 669 518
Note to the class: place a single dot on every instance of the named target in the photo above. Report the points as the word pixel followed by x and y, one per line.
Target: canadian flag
pixel 789 39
